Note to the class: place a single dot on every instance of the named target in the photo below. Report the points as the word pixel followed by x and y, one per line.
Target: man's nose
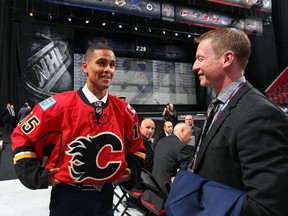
pixel 195 67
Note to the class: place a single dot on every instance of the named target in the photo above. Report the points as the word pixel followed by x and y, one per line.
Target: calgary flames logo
pixel 92 157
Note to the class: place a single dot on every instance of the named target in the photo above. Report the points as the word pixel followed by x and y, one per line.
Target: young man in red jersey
pixel 91 138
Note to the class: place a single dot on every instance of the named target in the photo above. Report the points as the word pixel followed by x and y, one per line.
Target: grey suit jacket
pixel 165 166
pixel 247 148
pixel 158 136
pixel 166 159
pixel 196 132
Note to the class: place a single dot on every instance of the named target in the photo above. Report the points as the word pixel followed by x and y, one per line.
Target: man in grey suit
pixel 24 111
pixel 195 130
pixel 246 146
pixel 166 159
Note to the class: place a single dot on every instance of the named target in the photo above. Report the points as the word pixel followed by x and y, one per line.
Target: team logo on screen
pixel 120 3
pixel 149 7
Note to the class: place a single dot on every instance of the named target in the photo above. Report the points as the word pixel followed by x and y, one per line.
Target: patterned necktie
pixel 212 110
pixel 151 144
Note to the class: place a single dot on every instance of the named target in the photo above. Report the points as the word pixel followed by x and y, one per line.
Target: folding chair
pixel 152 185
pixel 131 194
pixel 120 196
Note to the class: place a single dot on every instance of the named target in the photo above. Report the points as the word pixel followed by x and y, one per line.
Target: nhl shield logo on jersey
pixel 96 158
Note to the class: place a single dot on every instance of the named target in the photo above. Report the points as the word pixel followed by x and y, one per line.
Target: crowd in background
pixel 10 117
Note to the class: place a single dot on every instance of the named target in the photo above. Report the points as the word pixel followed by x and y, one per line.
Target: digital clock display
pixel 140 48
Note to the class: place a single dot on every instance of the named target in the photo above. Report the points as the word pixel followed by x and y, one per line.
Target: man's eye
pixel 200 59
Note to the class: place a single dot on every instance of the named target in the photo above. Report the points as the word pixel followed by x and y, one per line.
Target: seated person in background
pixel 147 129
pixel 186 152
pixel 169 114
pixel 195 130
pixel 166 161
pixel 167 131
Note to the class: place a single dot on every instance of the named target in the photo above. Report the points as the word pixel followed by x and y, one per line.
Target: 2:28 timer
pixel 140 48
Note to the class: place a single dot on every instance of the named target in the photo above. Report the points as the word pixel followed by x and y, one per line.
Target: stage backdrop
pixel 147 72
pixel 46 58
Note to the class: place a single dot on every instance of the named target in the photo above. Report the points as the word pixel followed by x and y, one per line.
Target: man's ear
pixel 228 57
pixel 84 67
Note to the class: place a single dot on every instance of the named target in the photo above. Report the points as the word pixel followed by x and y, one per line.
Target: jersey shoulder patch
pixel 129 109
pixel 45 104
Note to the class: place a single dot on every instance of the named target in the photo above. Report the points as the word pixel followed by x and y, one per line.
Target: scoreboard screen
pixel 142 81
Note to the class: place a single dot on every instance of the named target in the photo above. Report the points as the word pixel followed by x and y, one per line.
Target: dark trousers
pixel 7 127
pixel 67 200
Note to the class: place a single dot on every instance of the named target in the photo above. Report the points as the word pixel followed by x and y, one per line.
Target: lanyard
pixel 226 102
pixel 192 164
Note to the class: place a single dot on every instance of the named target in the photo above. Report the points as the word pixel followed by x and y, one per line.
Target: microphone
pixel 98 109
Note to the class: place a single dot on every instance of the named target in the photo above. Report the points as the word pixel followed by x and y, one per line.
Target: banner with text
pixel 262 5
pixel 174 13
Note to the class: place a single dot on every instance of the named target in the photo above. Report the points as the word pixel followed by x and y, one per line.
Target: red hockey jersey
pixel 87 148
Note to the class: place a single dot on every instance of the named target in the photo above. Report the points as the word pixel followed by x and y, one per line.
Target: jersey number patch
pixel 30 124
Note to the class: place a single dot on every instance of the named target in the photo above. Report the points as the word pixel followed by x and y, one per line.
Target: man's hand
pixel 127 176
pixel 51 180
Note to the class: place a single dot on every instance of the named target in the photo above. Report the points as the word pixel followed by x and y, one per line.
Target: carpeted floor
pixel 6 163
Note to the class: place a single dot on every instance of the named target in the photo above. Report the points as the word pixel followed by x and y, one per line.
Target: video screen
pixel 147 82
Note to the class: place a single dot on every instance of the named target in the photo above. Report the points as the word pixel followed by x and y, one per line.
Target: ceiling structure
pixel 79 17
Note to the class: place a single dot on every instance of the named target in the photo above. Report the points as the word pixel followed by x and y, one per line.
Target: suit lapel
pixel 213 130
pixel 221 120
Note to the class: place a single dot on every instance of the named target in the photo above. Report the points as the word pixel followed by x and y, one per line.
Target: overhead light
pixel 189 36
pixel 164 32
pixel 50 16
pixel 87 21
pixel 69 19
pixel 120 25
pixel 150 30
pixel 135 28
pixel 104 23
pixel 176 34
pixel 31 13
